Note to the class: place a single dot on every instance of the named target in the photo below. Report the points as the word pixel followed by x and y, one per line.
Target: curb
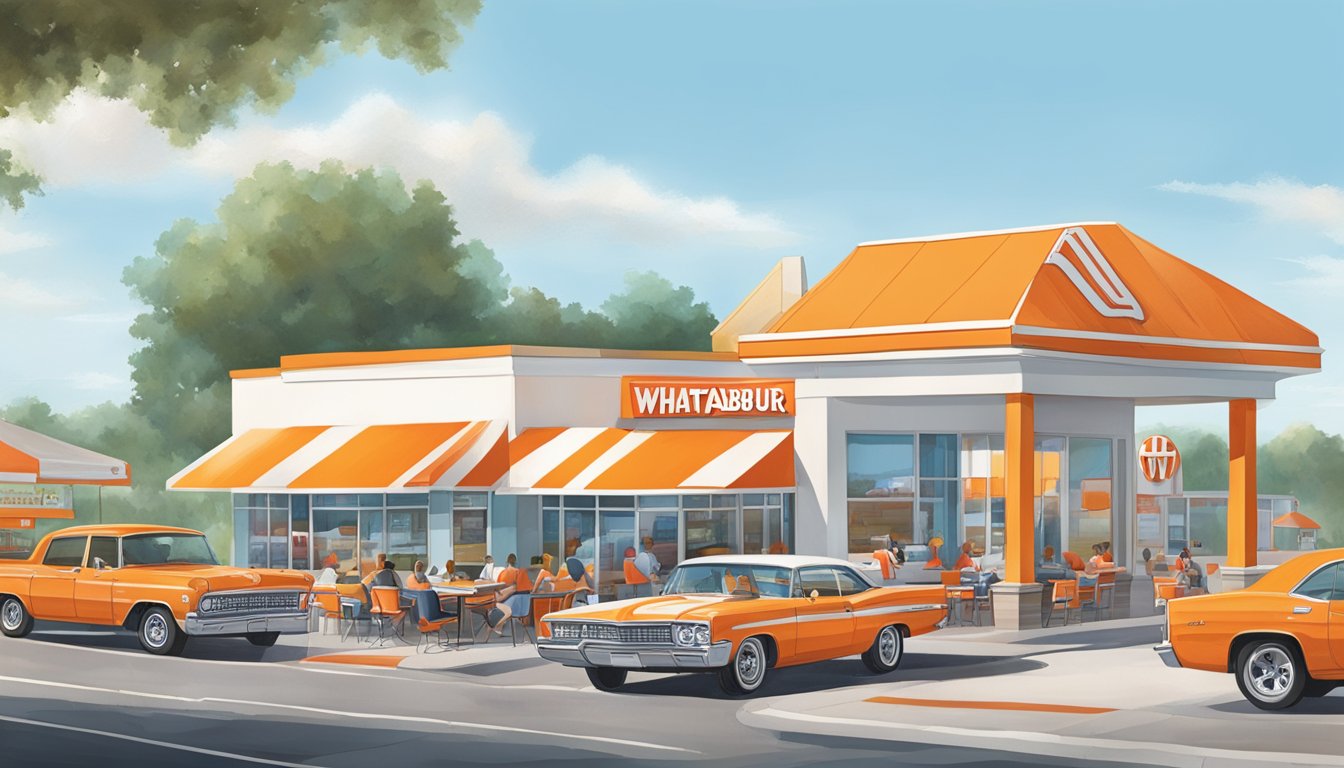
pixel 762 716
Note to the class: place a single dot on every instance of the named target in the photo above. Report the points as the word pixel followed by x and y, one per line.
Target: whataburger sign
pixel 668 397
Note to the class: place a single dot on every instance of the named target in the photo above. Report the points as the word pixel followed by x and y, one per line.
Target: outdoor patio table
pixel 462 590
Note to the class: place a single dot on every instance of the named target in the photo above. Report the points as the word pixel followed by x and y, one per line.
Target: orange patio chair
pixel 388 611
pixel 1064 595
pixel 431 619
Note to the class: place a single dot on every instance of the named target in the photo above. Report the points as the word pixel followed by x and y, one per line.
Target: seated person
pixel 1048 557
pixel 419 579
pixel 1072 560
pixel 965 561
pixel 385 576
pixel 514 599
pixel 1094 565
pixel 488 571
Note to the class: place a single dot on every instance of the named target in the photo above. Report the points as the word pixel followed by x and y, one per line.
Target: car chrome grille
pixel 250 602
pixel 639 633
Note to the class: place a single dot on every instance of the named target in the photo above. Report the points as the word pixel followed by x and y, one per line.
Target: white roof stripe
pixel 986 233
pixel 432 456
pixel 177 478
pixel 609 459
pixel 474 455
pixel 292 466
pixel 17 477
pixel 724 469
pixel 58 460
pixel 531 468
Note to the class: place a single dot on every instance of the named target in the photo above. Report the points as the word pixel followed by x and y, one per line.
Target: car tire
pixel 263 639
pixel 159 633
pixel 745 674
pixel 606 678
pixel 886 651
pixel 1315 689
pixel 1270 674
pixel 15 620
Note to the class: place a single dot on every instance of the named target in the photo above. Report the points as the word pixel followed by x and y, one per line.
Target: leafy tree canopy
pixel 191 64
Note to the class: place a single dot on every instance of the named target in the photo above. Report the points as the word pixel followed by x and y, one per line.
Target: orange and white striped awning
pixel 417 457
pixel 29 457
pixel 595 459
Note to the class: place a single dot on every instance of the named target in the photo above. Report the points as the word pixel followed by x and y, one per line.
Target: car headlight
pixel 685 635
pixel 702 635
pixel 207 604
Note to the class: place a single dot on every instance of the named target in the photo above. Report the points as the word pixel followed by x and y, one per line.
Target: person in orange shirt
pixel 418 578
pixel 514 599
pixel 965 560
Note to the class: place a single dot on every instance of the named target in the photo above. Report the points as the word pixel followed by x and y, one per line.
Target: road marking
pixel 1027 742
pixel 353 715
pixel 153 743
pixel 358 659
pixel 1015 706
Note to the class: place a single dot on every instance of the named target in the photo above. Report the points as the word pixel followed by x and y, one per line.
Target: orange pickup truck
pixel 162 583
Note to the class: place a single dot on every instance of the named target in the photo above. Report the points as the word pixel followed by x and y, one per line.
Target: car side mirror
pixel 99 564
pixel 815 594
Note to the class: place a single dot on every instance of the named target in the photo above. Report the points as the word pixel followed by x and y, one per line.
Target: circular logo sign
pixel 1158 458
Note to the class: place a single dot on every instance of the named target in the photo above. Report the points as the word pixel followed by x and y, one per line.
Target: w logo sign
pixel 1093 275
pixel 1158 458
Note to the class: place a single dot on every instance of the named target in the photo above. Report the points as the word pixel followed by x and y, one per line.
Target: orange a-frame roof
pixel 1090 288
pixel 1296 520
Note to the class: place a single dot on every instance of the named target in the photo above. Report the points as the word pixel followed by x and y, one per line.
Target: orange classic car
pixel 1282 637
pixel 162 583
pixel 741 615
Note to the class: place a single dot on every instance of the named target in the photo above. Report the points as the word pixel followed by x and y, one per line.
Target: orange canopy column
pixel 1019 505
pixel 1242 496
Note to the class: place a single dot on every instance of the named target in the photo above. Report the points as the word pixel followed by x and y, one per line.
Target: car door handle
pixel 1302 609
pixel 848 609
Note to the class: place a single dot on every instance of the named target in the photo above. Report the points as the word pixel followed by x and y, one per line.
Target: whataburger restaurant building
pixel 965 388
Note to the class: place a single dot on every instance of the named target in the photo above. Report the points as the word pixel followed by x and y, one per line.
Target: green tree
pixel 15 182
pixel 191 65
pixel 653 314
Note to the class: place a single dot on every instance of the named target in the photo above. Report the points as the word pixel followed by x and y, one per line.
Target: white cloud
pixel 12 241
pixel 1321 206
pixel 1324 274
pixel 483 166
pixel 97 380
pixel 19 294
pixel 102 318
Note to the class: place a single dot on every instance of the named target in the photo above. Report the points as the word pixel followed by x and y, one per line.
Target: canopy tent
pixel 29 457
pixel 1296 520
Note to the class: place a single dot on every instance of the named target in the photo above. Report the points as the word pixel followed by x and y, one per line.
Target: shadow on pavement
pixel 200 648
pixel 1119 637
pixel 841 673
pixel 1325 705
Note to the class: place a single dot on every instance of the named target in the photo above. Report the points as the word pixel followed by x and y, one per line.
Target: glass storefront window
pixel 267 530
pixel 1090 468
pixel 371 539
pixel 710 530
pixel 580 534
pixel 617 535
pixel 408 536
pixel 299 537
pixel 1049 526
pixel 1208 526
pixel 334 538
pixel 881 489
pixel 660 525
pixel 550 533
pixel 976 494
pixel 470 524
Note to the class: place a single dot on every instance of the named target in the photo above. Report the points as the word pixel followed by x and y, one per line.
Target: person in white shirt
pixel 647 563
pixel 489 571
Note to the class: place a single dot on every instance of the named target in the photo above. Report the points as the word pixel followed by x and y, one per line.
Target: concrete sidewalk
pixel 1100 703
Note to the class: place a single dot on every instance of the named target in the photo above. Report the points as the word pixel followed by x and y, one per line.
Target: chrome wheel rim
pixel 156 631
pixel 887 647
pixel 1270 672
pixel 749 665
pixel 13 615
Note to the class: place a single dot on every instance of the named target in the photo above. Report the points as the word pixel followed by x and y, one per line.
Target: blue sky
pixel 706 140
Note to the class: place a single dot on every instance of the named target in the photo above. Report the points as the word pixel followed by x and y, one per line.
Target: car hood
pixel 220 577
pixel 661 608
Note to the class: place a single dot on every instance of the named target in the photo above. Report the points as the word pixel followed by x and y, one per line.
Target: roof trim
pixel 1027 330
pixel 986 233
pixel 400 356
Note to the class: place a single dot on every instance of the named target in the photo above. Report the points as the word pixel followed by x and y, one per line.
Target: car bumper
pixel 628 656
pixel 1167 655
pixel 284 623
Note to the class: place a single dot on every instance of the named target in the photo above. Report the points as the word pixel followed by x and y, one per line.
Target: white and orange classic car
pixel 162 583
pixel 1281 637
pixel 741 615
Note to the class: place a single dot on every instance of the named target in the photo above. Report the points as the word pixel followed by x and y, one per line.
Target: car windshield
pixel 164 548
pixel 729 579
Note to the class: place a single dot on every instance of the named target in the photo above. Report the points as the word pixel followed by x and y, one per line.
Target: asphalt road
pixel 94 699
